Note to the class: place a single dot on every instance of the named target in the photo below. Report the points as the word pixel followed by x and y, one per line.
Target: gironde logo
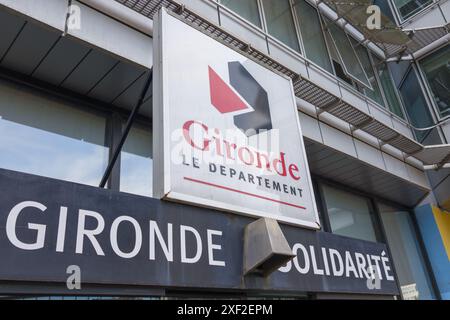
pixel 243 94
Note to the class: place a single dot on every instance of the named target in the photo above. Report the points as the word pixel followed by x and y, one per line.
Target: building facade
pixel 373 105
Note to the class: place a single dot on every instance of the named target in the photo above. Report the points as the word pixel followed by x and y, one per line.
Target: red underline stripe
pixel 243 192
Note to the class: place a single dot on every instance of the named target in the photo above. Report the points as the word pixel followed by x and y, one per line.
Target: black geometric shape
pixel 244 83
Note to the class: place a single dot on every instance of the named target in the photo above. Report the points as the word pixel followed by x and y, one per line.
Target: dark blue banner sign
pixel 48 227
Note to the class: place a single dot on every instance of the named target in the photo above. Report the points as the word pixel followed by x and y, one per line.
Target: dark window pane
pixel 415 104
pixel 363 56
pixel 385 9
pixel 136 163
pixel 406 253
pixel 349 214
pixel 44 136
pixel 407 8
pixel 340 73
pixel 347 54
pixel 389 89
pixel 437 71
pixel 312 35
pixel 247 9
pixel 280 22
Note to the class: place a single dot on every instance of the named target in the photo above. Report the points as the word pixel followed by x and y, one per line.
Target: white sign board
pixel 409 292
pixel 226 130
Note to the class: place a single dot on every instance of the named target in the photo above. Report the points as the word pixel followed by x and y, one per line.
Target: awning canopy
pixel 355 12
pixel 437 155
pixel 390 38
pixel 421 38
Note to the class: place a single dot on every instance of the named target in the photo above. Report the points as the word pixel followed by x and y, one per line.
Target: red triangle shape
pixel 223 98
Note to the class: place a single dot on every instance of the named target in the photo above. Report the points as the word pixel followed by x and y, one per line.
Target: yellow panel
pixel 446 205
pixel 443 222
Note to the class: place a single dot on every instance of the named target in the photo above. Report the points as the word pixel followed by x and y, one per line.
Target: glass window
pixel 312 35
pixel 408 8
pixel 280 22
pixel 341 73
pixel 247 9
pixel 415 104
pixel 363 55
pixel 336 60
pixel 406 253
pixel 349 214
pixel 45 137
pixel 390 92
pixel 347 54
pixel 437 71
pixel 136 162
pixel 431 137
pixel 385 8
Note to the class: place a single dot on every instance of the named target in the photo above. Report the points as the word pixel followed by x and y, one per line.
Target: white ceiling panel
pixel 344 169
pixel 29 49
pixel 60 61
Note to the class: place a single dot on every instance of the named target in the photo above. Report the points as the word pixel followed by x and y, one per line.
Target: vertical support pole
pixel 126 131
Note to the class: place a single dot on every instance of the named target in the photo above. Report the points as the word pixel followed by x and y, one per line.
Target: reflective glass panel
pixel 247 9
pixel 280 22
pixel 312 35
pixel 46 137
pixel 408 8
pixel 349 214
pixel 136 163
pixel 437 71
pixel 406 253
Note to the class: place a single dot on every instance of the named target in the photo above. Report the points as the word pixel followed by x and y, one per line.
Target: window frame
pixel 426 259
pixel 302 54
pixel 260 15
pixel 114 116
pixel 428 100
pixel 393 14
pixel 379 229
pixel 344 66
pixel 383 94
pixel 426 86
pixel 117 170
pixel 321 181
pixel 296 28
pixel 68 100
pixel 401 20
pixel 396 91
pixel 380 87
pixel 322 30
